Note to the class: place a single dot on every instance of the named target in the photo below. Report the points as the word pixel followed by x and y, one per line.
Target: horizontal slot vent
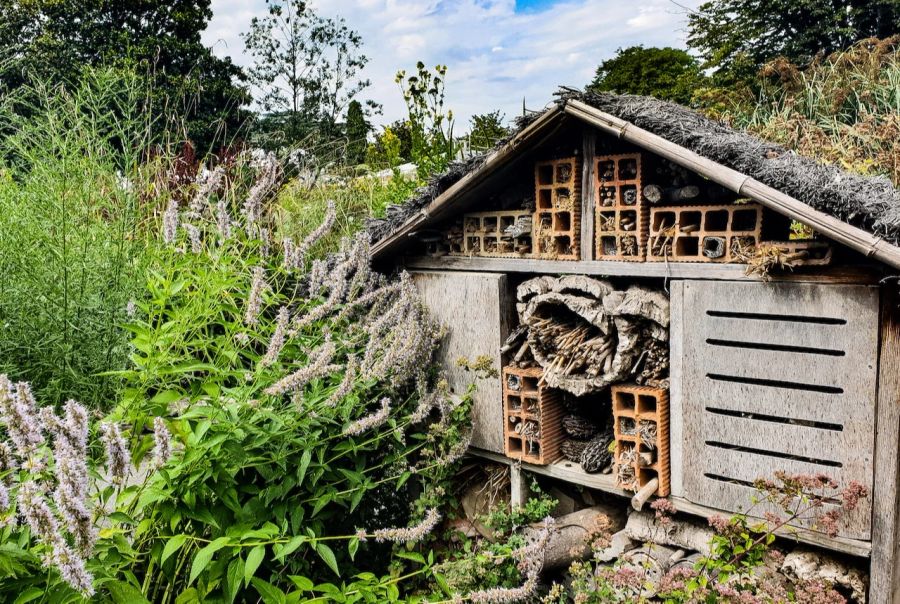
pixel 775 383
pixel 755 316
pixel 775 419
pixel 775 347
pixel 774 454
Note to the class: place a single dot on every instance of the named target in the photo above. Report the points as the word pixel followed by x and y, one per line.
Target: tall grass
pixel 843 109
pixel 70 249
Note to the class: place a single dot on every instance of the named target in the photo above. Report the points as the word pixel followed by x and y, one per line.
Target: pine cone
pixel 572 449
pixel 596 455
pixel 579 428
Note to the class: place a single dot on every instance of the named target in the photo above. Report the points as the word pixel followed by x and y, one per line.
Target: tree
pixel 305 67
pixel 487 129
pixel 735 38
pixel 665 73
pixel 357 130
pixel 53 40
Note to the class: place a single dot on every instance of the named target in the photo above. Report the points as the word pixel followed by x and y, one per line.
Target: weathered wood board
pixel 476 309
pixel 778 376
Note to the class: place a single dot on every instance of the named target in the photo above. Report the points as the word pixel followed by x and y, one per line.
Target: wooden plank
pixel 588 193
pixel 853 547
pixel 474 307
pixel 835 395
pixel 885 568
pixel 518 486
pixel 795 440
pixel 778 332
pixel 612 268
pixel 566 471
pixel 676 409
pixel 799 367
pixel 828 225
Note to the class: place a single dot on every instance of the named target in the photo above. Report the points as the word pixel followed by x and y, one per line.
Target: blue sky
pixel 498 52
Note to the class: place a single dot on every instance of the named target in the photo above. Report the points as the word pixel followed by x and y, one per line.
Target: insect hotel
pixel 674 310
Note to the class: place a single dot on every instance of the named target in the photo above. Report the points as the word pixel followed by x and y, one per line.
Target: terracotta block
pixel 557 212
pixel 621 213
pixel 637 410
pixel 532 417
pixel 717 233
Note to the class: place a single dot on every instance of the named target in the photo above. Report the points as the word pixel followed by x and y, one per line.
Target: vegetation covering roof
pixel 866 202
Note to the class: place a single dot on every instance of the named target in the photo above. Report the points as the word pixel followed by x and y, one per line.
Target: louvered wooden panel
pixel 773 377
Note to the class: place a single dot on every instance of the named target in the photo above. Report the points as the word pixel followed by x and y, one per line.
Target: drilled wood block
pixel 621 214
pixel 557 214
pixel 716 233
pixel 532 422
pixel 638 409
pixel 484 235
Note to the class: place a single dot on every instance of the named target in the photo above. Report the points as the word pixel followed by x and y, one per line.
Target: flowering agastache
pixel 266 181
pixel 223 221
pixel 276 343
pixel 254 301
pixel 373 420
pixel 351 370
pixel 162 443
pixel 118 455
pixel 410 534
pixel 319 365
pixel 194 237
pixel 300 252
pixel 210 184
pixel 19 412
pixel 170 222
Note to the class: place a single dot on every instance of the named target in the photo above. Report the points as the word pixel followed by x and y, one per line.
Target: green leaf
pixel 328 557
pixel 268 592
pixel 352 546
pixel 204 557
pixel 304 464
pixel 32 593
pixel 188 596
pixel 124 593
pixel 172 546
pixel 254 559
pixel 291 546
pixel 233 579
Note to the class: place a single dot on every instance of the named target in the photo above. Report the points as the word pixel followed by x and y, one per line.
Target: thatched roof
pixel 871 204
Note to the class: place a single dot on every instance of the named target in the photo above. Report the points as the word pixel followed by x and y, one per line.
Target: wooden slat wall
pixel 774 377
pixel 476 310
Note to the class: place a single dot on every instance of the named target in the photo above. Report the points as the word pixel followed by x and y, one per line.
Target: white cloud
pixel 495 56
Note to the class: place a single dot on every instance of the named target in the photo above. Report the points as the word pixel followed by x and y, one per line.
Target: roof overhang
pixel 745 186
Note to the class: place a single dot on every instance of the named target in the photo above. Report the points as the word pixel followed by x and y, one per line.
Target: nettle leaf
pixel 172 546
pixel 205 556
pixel 304 464
pixel 254 559
pixel 290 547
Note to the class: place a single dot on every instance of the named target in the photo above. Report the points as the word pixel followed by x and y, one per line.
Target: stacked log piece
pixel 557 215
pixel 719 233
pixel 585 334
pixel 641 428
pixel 621 211
pixel 532 429
pixel 497 234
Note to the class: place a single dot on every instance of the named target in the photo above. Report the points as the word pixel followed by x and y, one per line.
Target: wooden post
pixel 518 484
pixel 587 194
pixel 885 570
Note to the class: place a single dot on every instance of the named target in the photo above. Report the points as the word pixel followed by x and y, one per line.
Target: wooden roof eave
pixel 496 160
pixel 746 186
